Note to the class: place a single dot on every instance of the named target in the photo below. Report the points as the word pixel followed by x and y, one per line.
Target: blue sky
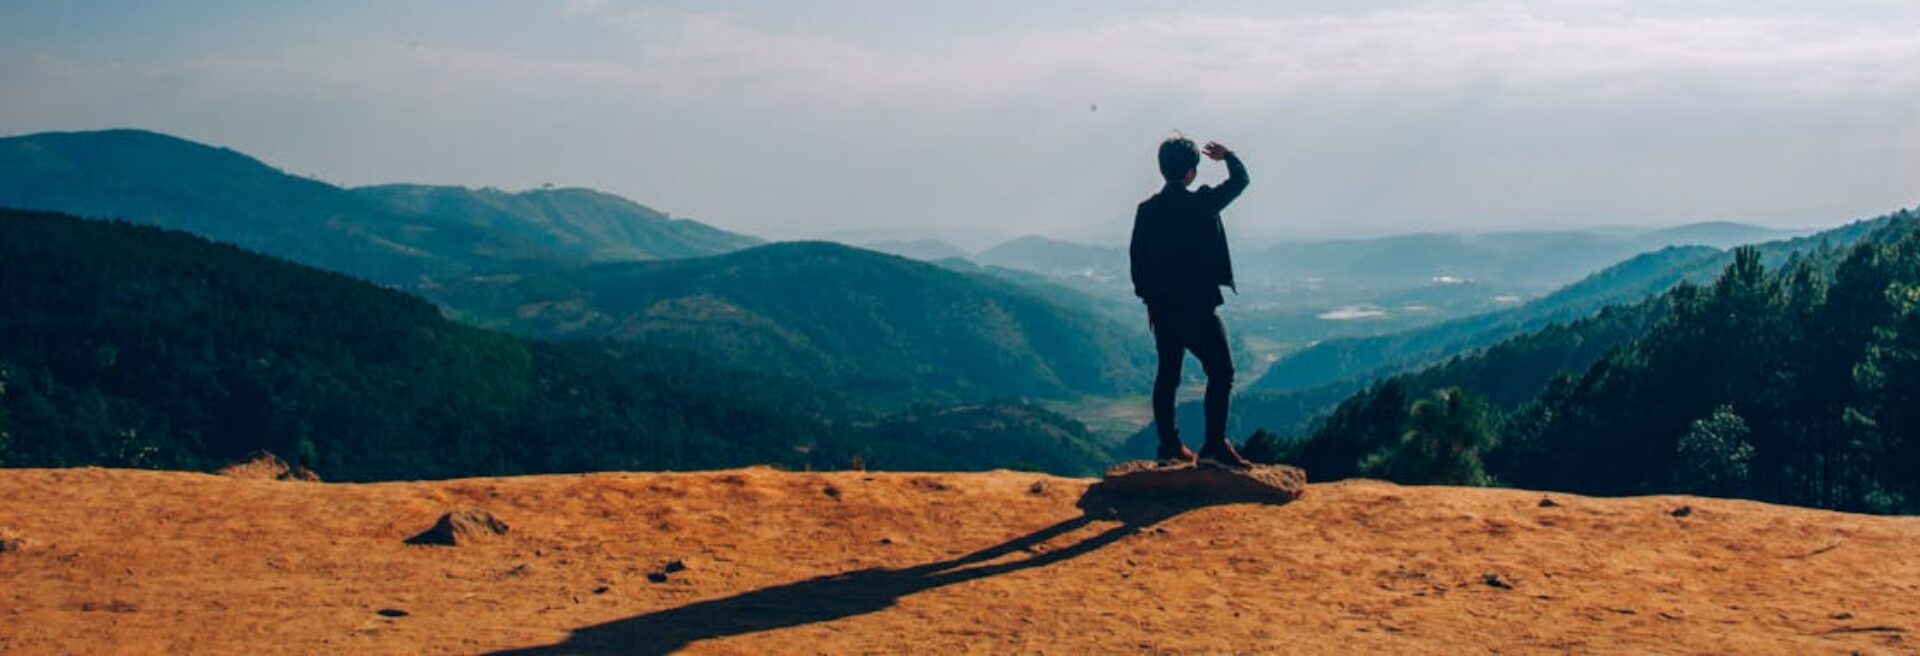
pixel 978 120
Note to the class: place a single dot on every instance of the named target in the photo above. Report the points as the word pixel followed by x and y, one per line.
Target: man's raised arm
pixel 1218 197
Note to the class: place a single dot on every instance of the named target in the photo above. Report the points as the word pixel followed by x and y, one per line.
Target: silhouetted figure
pixel 1180 260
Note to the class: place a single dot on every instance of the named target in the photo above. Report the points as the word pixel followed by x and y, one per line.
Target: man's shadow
pixel 865 591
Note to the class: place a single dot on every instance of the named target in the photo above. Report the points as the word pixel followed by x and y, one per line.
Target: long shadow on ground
pixel 865 591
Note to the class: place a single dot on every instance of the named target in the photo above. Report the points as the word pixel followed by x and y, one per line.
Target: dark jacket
pixel 1179 248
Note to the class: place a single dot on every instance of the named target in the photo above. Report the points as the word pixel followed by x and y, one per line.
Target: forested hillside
pixel 870 324
pixel 1798 384
pixel 1503 376
pixel 1648 274
pixel 134 346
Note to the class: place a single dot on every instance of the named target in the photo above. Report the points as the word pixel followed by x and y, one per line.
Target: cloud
pixel 1253 59
pixel 575 8
pixel 1351 313
pixel 1483 114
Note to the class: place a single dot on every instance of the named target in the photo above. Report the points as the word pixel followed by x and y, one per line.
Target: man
pixel 1180 260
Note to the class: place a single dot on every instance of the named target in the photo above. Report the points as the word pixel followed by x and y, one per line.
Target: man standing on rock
pixel 1180 260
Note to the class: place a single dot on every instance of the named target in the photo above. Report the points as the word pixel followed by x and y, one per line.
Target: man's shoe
pixel 1174 453
pixel 1220 453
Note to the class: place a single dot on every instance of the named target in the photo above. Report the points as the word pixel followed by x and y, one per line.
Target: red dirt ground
pixel 773 562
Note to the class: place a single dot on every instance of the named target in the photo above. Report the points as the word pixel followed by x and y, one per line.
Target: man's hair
pixel 1178 155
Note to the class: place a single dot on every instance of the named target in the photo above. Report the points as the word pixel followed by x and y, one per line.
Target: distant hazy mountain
pixel 582 223
pixel 1718 234
pixel 1056 257
pixel 925 250
pixel 394 235
pixel 1327 274
pixel 1361 358
pixel 967 238
pixel 868 323
pixel 1522 258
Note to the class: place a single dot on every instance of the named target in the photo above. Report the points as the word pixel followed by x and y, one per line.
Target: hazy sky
pixel 788 118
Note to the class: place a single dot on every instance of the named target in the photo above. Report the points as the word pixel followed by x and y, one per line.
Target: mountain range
pixel 607 278
pixel 926 250
pixel 396 234
pixel 1294 294
pixel 1530 258
pixel 580 224
pixel 1055 257
pixel 576 263
pixel 1518 258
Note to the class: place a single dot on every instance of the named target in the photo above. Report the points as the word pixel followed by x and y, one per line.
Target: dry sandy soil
pixel 772 562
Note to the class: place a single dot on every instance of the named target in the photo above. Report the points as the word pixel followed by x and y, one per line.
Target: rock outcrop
pixel 460 527
pixel 1263 483
pixel 264 466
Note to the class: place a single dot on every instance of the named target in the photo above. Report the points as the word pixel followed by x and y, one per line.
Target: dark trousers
pixel 1177 331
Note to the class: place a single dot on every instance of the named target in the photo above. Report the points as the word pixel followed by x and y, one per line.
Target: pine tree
pixel 1886 420
pixel 1442 444
pixel 1360 425
pixel 1714 456
pixel 1263 447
